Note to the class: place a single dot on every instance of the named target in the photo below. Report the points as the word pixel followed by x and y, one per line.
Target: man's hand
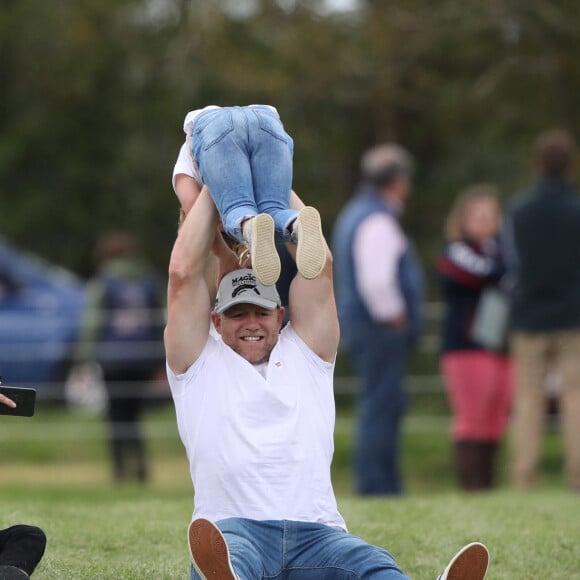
pixel 400 323
pixel 4 400
pixel 8 402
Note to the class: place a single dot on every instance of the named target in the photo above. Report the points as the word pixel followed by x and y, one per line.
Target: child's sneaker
pixel 209 551
pixel 470 563
pixel 311 249
pixel 258 234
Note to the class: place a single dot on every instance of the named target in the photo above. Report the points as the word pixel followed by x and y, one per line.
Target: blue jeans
pixel 379 356
pixel 245 158
pixel 300 550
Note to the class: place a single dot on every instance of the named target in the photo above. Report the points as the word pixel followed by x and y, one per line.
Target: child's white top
pixel 185 163
pixel 259 447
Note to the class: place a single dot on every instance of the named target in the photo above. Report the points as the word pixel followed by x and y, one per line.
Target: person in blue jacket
pixel 379 286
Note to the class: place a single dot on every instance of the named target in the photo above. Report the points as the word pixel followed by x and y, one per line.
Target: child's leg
pixel 271 161
pixel 220 147
pixel 271 165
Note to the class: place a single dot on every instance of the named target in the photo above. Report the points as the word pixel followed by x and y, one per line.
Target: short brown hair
pixel 554 152
pixel 116 245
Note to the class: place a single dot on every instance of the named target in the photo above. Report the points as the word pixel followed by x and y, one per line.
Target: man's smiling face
pixel 250 330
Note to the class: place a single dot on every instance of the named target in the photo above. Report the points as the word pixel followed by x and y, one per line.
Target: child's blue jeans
pixel 245 158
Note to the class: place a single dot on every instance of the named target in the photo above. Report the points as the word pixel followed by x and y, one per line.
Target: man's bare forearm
pixel 188 305
pixel 195 237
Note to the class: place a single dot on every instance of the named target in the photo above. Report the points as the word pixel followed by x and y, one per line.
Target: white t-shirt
pixel 185 162
pixel 259 448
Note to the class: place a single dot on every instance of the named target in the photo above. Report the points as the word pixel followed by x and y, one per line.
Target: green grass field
pixel 54 472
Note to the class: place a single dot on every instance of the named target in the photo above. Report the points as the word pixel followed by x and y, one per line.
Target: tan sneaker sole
pixel 311 250
pixel 265 259
pixel 209 551
pixel 470 563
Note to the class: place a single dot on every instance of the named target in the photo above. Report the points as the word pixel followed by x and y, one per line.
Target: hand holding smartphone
pixel 23 398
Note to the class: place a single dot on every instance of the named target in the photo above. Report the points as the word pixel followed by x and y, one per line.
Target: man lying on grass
pixel 21 546
pixel 255 411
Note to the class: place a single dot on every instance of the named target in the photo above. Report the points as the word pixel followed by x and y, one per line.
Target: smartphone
pixel 24 399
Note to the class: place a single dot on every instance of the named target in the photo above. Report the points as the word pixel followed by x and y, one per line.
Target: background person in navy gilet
pixel 122 331
pixel 379 286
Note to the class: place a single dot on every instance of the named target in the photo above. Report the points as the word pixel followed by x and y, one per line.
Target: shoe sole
pixel 470 563
pixel 265 259
pixel 209 551
pixel 311 250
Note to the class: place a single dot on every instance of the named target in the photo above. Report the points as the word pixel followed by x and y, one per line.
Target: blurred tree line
pixel 93 95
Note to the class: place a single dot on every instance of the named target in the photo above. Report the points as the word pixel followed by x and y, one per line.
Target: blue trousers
pixel 245 158
pixel 291 550
pixel 379 356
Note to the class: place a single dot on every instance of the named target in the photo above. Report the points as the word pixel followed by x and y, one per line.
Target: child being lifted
pixel 244 156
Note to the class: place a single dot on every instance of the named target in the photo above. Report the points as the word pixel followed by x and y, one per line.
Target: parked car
pixel 40 309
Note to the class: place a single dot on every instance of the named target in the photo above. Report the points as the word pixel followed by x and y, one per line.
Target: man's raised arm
pixel 312 305
pixel 188 304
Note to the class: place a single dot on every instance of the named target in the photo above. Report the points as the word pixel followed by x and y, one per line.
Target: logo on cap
pixel 245 288
pixel 244 283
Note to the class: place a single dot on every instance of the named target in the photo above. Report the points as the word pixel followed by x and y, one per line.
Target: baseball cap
pixel 242 287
